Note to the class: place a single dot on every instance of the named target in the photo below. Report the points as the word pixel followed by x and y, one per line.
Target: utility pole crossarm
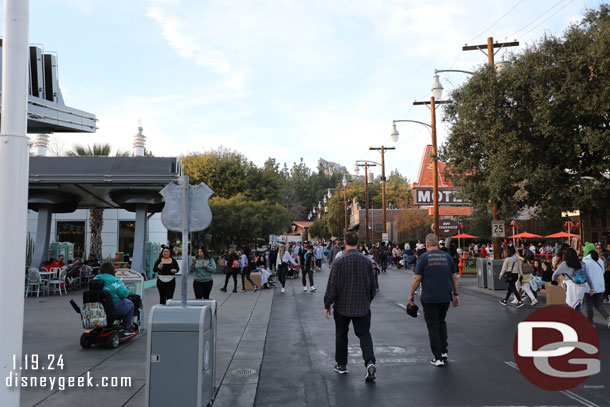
pixel 495 45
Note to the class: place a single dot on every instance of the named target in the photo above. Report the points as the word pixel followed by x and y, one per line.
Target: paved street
pixel 299 355
pixel 288 334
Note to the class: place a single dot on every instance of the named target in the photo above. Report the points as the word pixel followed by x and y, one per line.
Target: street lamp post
pixel 384 214
pixel 365 164
pixel 344 182
pixel 437 93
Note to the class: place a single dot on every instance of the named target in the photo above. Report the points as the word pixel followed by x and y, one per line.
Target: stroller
pixel 293 271
pixel 101 326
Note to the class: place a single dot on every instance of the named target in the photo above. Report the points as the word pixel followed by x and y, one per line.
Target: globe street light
pixel 437 93
pixel 344 182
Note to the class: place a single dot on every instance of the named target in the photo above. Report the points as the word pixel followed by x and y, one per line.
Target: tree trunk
pixel 96 222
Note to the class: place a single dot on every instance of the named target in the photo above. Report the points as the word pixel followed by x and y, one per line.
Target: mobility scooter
pixel 102 326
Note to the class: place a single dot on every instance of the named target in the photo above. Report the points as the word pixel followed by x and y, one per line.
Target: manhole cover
pixel 243 372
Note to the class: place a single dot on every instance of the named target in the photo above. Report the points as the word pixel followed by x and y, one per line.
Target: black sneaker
pixel 234 290
pixel 503 302
pixel 370 373
pixel 341 369
pixel 223 289
pixel 255 288
pixel 129 333
pixel 520 304
pixel 437 362
pixel 445 357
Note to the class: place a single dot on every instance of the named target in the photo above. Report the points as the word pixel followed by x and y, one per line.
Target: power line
pixel 496 22
pixel 536 19
pixel 543 21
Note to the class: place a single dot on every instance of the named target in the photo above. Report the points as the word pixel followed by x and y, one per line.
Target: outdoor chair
pixel 34 281
pixel 58 283
pixel 86 274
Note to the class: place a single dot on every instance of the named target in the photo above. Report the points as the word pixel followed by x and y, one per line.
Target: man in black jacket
pixel 350 289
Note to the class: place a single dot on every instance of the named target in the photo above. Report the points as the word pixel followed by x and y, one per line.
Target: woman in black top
pixel 260 260
pixel 166 267
pixel 230 270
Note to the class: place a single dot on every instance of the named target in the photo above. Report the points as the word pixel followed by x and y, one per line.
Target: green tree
pixel 240 219
pixel 536 133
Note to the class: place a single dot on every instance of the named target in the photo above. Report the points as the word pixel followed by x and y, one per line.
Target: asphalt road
pixel 297 367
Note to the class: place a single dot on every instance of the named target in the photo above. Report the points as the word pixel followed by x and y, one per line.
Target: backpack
pixel 235 264
pixel 580 277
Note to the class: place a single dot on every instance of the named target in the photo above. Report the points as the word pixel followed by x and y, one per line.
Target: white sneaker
pixel 312 289
pixel 304 288
pixel 514 301
pixel 283 290
pixel 534 302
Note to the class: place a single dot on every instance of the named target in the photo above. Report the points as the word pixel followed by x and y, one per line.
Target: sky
pixel 287 79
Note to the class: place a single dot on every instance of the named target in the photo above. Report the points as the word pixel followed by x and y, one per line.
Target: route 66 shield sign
pixel 200 215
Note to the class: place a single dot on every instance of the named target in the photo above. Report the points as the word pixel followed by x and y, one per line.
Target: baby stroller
pixel 293 271
pixel 101 326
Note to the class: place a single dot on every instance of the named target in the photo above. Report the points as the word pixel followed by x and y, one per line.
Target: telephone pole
pixel 490 61
pixel 382 149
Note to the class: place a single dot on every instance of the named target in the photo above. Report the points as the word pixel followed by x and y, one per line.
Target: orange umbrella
pixel 464 236
pixel 526 235
pixel 560 235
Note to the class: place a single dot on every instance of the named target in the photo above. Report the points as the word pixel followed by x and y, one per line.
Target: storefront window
pixel 127 231
pixel 73 232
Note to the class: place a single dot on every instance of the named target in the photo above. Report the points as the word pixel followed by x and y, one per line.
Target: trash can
pixel 481 272
pixel 179 356
pixel 493 274
pixel 213 305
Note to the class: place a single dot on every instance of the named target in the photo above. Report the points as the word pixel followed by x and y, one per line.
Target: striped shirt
pixel 351 285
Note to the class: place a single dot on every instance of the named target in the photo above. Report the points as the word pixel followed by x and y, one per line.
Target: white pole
pixel 14 164
pixel 185 238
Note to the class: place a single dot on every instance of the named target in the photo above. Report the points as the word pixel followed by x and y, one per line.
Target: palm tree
pixel 96 215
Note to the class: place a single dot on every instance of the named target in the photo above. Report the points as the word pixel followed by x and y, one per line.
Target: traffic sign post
pixel 497 228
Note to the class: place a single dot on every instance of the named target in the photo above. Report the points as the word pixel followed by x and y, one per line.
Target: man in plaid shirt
pixel 351 288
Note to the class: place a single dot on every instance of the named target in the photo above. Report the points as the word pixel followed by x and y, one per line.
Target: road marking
pixel 567 393
pixel 403 306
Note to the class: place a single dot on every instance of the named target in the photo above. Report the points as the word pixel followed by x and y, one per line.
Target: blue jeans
pixel 124 308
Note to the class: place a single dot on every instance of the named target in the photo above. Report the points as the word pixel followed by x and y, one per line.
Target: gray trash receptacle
pixel 201 303
pixel 493 273
pixel 179 357
pixel 481 272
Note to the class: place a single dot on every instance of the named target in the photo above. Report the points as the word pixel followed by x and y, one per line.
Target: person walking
pixel 594 267
pixel 231 269
pixel 383 257
pixel 319 254
pixel 350 289
pixel 203 266
pixel 283 259
pixel 272 257
pixel 166 267
pixel 245 269
pixel 512 266
pixel 334 249
pixel 307 269
pixel 438 276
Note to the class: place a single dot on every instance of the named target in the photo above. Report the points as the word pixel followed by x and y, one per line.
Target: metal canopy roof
pixel 100 182
pixel 47 112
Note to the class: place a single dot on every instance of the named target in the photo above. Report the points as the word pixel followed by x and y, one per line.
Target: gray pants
pixel 595 300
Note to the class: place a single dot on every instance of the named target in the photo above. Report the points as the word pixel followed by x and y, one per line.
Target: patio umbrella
pixel 561 235
pixel 525 235
pixel 463 236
